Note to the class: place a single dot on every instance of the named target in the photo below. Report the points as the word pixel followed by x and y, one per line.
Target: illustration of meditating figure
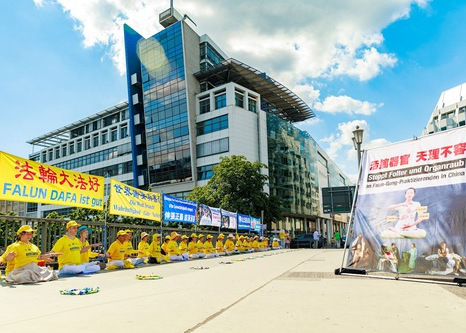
pixel 408 219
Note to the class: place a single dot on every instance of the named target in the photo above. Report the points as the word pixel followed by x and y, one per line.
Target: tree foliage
pixel 237 185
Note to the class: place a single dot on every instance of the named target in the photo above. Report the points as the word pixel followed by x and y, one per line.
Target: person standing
pixel 316 236
pixel 282 236
pixel 287 240
pixel 337 239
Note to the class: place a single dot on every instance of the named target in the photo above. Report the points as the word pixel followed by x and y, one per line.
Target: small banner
pixel 29 181
pixel 244 222
pixel 229 220
pixel 130 201
pixel 410 210
pixel 255 224
pixel 209 215
pixel 178 210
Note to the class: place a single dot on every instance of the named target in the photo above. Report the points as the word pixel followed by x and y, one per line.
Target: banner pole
pixel 352 213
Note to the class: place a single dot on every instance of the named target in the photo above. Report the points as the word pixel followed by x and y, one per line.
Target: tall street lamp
pixel 358 134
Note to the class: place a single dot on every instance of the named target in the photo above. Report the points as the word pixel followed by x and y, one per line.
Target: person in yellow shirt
pixel 26 255
pixel 10 265
pixel 229 245
pixel 246 245
pixel 173 249
pixel 267 243
pixel 192 247
pixel 282 236
pixel 184 247
pixel 86 253
pixel 155 255
pixel 239 244
pixel 255 244
pixel 116 253
pixel 200 246
pixel 164 246
pixel 219 245
pixel 143 246
pixel 70 262
pixel 209 248
pixel 131 254
pixel 275 244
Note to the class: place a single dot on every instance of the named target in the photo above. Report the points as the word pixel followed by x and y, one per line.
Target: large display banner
pixel 255 224
pixel 229 220
pixel 209 215
pixel 178 210
pixel 29 181
pixel 410 212
pixel 130 201
pixel 244 222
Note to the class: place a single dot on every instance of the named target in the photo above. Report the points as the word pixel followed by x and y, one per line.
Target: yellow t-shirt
pixel 144 248
pixel 275 244
pixel 172 248
pixel 88 254
pixel 246 245
pixel 239 245
pixel 183 247
pixel 229 245
pixel 129 249
pixel 282 235
pixel 71 249
pixel 10 265
pixel 25 253
pixel 208 247
pixel 255 244
pixel 154 249
pixel 165 247
pixel 117 251
pixel 219 246
pixel 192 248
pixel 200 246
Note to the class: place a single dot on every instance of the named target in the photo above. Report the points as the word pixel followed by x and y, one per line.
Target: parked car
pixel 306 241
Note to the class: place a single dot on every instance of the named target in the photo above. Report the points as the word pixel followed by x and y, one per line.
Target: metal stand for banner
pixel 348 271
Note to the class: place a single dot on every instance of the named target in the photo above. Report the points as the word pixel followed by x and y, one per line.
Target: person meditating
pixel 408 219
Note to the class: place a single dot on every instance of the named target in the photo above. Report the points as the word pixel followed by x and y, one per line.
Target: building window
pixel 104 138
pixel 124 115
pixel 87 143
pixel 95 140
pixel 44 157
pixel 110 120
pixel 50 155
pixel 79 146
pixel 205 172
pixel 63 151
pixel 212 147
pixel 239 99
pixel 113 134
pixel 212 125
pixel 71 148
pixel 220 101
pixel 123 132
pixel 252 104
pixel 204 105
pixel 57 152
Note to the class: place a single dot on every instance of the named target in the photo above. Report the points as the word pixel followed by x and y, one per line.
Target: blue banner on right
pixel 244 222
pixel 410 214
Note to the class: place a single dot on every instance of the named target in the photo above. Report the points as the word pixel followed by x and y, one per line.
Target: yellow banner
pixel 130 201
pixel 29 181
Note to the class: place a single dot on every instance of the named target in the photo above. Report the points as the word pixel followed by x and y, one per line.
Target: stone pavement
pixel 294 291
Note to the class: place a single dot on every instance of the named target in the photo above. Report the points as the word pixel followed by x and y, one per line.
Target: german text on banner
pixel 130 201
pixel 208 215
pixel 244 222
pixel 229 220
pixel 410 209
pixel 178 210
pixel 29 181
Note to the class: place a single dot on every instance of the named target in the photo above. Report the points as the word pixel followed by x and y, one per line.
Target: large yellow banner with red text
pixel 29 181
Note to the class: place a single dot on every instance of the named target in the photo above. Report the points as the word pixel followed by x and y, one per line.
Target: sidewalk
pixel 294 291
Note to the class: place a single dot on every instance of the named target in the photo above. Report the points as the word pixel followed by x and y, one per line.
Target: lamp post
pixel 358 134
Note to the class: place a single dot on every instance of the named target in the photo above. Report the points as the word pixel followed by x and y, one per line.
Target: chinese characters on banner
pixel 130 201
pixel 409 214
pixel 178 210
pixel 29 181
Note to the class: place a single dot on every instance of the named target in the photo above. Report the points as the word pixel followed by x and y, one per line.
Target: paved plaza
pixel 289 291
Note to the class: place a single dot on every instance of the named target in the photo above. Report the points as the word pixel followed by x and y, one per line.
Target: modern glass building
pixel 191 104
pixel 99 144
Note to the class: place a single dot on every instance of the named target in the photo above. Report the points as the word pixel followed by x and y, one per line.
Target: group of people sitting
pixel 26 264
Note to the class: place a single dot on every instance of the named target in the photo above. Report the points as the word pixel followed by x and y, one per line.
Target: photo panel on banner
pixel 229 220
pixel 178 210
pixel 30 181
pixel 410 210
pixel 255 224
pixel 244 222
pixel 209 216
pixel 133 202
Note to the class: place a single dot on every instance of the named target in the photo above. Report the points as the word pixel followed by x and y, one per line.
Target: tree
pixel 237 185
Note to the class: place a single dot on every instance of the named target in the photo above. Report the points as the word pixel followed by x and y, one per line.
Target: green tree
pixel 237 185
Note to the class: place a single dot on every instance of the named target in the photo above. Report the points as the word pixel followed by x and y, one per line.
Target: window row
pixel 99 123
pixel 205 172
pixel 212 147
pixel 212 125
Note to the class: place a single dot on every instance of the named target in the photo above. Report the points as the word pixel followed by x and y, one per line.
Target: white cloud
pixel 346 104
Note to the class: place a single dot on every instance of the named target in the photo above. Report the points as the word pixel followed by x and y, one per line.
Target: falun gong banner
pixel 29 181
pixel 178 210
pixel 410 211
pixel 130 201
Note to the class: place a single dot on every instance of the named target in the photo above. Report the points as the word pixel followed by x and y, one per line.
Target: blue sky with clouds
pixel 380 65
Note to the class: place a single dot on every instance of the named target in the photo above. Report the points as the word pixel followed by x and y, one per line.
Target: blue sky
pixel 381 65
